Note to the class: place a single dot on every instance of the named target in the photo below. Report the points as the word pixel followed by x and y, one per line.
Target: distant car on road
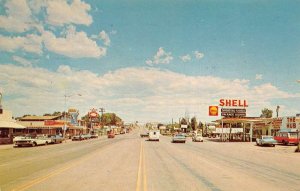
pixel 266 140
pixel 179 138
pixel 111 135
pixel 197 138
pixel 144 134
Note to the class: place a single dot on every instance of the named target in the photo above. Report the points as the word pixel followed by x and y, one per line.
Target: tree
pixel 110 119
pixel 266 113
pixel 194 123
pixel 183 121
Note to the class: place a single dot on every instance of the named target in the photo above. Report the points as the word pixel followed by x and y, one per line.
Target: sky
pixel 149 60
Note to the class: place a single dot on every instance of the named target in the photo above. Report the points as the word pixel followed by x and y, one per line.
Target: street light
pixel 65 116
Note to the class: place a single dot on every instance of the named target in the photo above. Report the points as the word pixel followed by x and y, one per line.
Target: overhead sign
pixel 233 103
pixel 213 111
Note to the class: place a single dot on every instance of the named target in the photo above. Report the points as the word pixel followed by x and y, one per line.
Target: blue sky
pixel 149 60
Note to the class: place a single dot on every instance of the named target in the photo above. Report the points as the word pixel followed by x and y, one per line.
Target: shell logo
pixel 213 111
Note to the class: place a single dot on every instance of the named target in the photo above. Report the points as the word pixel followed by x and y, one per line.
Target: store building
pixel 8 127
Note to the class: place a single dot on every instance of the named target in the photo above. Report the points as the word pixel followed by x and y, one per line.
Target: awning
pixel 11 124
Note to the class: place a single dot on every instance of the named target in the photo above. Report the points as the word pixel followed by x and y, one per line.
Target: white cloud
pixel 22 61
pixel 60 12
pixel 161 57
pixel 198 55
pixel 17 18
pixel 133 93
pixel 186 58
pixel 258 76
pixel 75 44
pixel 30 43
pixel 104 36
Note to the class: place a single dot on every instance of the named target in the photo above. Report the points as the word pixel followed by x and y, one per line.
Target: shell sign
pixel 213 111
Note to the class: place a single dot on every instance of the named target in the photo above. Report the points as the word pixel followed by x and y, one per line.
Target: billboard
pixel 74 116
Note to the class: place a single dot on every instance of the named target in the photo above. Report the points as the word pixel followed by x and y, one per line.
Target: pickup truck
pixel 32 141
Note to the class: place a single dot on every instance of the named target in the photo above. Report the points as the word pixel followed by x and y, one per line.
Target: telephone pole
pixel 101 110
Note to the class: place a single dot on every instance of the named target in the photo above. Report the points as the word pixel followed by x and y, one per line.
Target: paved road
pixel 129 162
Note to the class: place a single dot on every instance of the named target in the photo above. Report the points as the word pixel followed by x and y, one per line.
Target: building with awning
pixel 246 128
pixel 49 125
pixel 8 127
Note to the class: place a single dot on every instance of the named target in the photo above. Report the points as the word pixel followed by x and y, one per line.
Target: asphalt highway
pixel 129 162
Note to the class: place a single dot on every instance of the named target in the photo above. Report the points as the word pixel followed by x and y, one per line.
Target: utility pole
pixel 101 110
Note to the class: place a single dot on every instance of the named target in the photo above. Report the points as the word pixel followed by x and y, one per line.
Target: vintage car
pixel 144 134
pixel 94 136
pixel 266 140
pixel 111 135
pixel 76 138
pixel 197 138
pixel 56 139
pixel 86 136
pixel 32 141
pixel 179 138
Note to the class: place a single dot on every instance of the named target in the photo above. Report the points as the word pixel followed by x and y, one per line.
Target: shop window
pixel 4 132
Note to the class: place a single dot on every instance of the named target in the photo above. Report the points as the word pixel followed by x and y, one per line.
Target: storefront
pixel 8 127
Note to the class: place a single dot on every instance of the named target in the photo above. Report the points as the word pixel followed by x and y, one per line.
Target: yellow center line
pixel 145 173
pixel 138 182
pixel 142 178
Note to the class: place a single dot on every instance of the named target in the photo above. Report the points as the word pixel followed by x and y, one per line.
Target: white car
pixel 32 141
pixel 197 138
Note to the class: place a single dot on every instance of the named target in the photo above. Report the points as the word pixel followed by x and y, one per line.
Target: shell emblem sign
pixel 213 111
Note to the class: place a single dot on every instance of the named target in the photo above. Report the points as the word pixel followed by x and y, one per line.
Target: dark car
pixel 111 135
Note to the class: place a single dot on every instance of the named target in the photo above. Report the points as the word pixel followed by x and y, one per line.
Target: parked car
pixel 111 135
pixel 197 138
pixel 266 140
pixel 86 136
pixel 179 138
pixel 56 139
pixel 17 138
pixel 76 138
pixel 94 136
pixel 32 141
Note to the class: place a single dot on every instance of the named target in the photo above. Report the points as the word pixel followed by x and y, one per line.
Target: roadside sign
pixel 213 111
pixel 231 112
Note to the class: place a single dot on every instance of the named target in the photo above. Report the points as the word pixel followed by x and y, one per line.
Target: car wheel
pixel 33 144
pixel 273 145
pixel 46 143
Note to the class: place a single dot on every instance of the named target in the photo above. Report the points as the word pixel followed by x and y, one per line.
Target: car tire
pixel 46 143
pixel 33 144
pixel 273 145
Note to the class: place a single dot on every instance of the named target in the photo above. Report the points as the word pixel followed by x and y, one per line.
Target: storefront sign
pixel 233 103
